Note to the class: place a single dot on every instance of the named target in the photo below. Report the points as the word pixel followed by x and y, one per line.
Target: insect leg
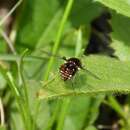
pixel 54 55
pixel 91 73
pixel 73 87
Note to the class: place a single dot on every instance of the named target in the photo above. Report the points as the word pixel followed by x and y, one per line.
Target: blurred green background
pixel 32 94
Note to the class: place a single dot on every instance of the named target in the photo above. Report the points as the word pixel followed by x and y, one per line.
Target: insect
pixel 70 67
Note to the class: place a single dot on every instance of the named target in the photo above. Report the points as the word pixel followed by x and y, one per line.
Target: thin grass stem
pixel 58 37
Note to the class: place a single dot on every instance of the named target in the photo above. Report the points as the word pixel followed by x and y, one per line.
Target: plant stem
pixel 116 106
pixel 54 115
pixel 64 109
pixel 8 77
pixel 10 12
pixel 2 114
pixel 78 46
pixel 66 102
pixel 26 100
pixel 54 51
pixel 58 37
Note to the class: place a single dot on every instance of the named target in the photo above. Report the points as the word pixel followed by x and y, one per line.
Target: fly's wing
pixel 57 56
pixel 92 74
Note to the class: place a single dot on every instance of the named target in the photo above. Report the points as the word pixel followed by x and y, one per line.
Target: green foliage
pixel 121 6
pixel 40 16
pixel 63 28
pixel 121 40
pixel 2 128
pixel 113 74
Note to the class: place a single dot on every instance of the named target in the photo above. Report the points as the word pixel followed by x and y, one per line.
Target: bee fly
pixel 70 67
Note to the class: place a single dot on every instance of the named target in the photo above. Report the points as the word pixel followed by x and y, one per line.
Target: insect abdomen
pixel 67 72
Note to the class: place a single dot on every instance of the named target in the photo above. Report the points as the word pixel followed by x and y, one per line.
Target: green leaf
pixel 11 57
pixel 2 81
pixel 114 77
pixel 15 121
pixel 121 50
pixel 83 112
pixel 78 110
pixel 91 128
pixel 83 12
pixel 40 16
pixel 121 6
pixel 40 110
pixel 39 20
pixel 93 110
pixel 2 128
pixel 3 45
pixel 120 36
